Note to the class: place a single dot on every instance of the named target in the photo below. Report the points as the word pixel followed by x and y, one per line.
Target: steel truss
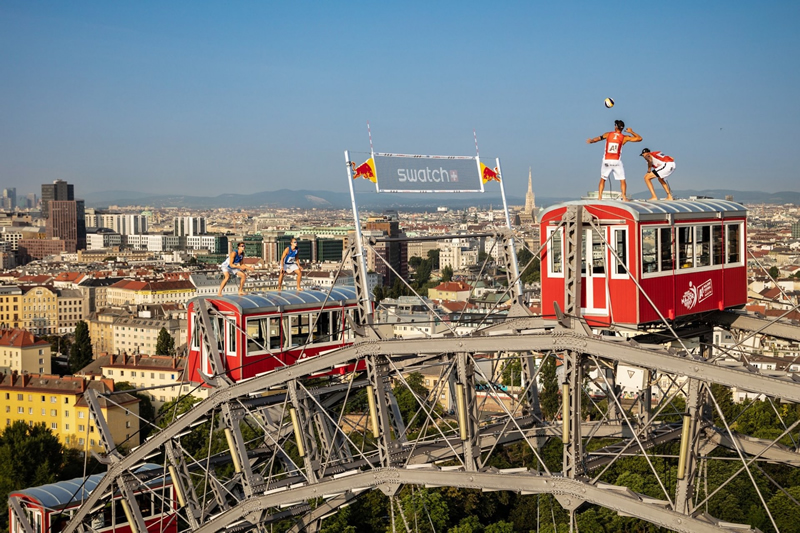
pixel 296 449
pixel 306 462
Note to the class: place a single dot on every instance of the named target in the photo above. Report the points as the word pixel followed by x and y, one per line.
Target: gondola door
pixel 593 272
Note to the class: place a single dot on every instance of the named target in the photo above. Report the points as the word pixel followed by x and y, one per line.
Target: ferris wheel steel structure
pixel 308 459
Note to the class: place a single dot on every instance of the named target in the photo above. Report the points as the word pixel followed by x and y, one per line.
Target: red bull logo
pixel 365 170
pixel 488 174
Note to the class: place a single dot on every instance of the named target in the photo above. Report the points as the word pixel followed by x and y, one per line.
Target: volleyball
pixel 609 102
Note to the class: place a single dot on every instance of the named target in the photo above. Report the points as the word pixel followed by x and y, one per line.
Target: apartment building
pixel 70 310
pixel 40 310
pixel 101 330
pixel 58 402
pixel 136 334
pixel 144 371
pixel 136 292
pixel 23 352
pixel 10 306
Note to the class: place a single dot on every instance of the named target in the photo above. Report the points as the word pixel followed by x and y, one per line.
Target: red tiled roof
pixel 452 286
pixel 35 280
pixel 153 286
pixel 20 338
pixel 74 277
pixel 455 306
pixel 793 315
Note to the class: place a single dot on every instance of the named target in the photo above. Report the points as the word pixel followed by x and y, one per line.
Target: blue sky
pixel 238 97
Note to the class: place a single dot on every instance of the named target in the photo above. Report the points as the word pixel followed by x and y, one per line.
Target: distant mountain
pixel 101 198
pixel 305 199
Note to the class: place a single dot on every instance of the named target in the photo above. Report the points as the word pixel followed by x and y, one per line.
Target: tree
pixel 525 260
pixel 80 354
pixel 378 293
pixel 165 345
pixel 774 272
pixel 29 456
pixel 447 274
pixel 482 256
pixel 406 400
pixel 433 255
pixel 425 509
pixel 548 398
pixel 415 261
pixel 423 273
pixel 512 372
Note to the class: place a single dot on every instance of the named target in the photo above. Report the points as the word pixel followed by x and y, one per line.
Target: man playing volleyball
pixel 234 266
pixel 658 166
pixel 289 265
pixel 612 164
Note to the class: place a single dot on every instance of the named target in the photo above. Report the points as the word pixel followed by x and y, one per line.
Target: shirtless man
pixel 612 164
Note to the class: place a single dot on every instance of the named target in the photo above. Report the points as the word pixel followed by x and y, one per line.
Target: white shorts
pixel 228 269
pixel 290 267
pixel 665 170
pixel 612 166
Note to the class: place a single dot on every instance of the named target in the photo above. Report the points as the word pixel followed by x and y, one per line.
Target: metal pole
pixel 359 245
pixel 514 274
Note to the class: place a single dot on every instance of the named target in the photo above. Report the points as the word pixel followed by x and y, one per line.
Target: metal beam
pixel 96 416
pixel 681 364
pixel 782 329
pixel 571 491
pixel 19 514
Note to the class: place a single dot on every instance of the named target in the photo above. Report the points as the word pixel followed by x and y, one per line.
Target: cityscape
pixel 399 267
pixel 98 298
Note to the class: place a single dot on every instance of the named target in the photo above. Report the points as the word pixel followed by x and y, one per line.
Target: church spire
pixel 530 198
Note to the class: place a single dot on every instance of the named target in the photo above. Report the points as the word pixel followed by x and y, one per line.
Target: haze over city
pixel 206 98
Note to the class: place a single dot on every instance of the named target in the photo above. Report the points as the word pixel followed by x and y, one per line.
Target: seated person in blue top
pixel 289 264
pixel 234 265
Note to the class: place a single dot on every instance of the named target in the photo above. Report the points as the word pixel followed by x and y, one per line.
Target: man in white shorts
pixel 289 264
pixel 612 164
pixel 658 166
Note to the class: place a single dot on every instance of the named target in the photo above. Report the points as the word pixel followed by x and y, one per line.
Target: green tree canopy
pixel 447 273
pixel 80 353
pixel 165 345
pixel 774 272
pixel 512 372
pixel 525 260
pixel 406 400
pixel 29 456
pixel 433 255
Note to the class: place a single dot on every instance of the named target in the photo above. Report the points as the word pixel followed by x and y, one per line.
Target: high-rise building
pixel 58 190
pixel 189 226
pixel 31 201
pixel 121 223
pixel 394 255
pixel 9 198
pixel 66 222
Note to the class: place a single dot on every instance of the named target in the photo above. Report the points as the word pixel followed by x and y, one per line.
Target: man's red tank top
pixel 613 145
pixel 662 158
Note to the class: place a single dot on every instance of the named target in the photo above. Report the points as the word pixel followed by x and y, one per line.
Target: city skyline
pixel 209 99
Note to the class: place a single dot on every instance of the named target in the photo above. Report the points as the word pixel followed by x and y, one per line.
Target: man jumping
pixel 658 166
pixel 612 164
